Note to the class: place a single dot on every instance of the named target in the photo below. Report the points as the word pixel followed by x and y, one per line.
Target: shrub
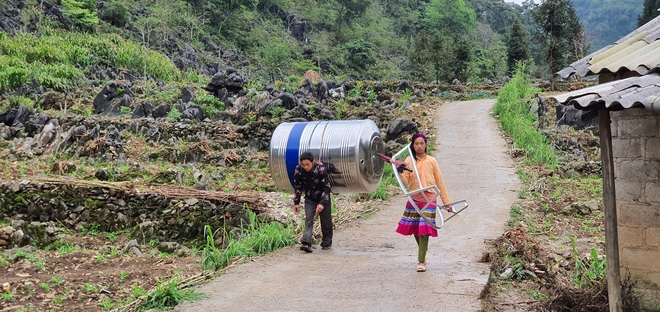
pixel 256 237
pixel 81 13
pixel 115 13
pixel 11 77
pixel 276 111
pixel 16 101
pixel 173 115
pixel 210 104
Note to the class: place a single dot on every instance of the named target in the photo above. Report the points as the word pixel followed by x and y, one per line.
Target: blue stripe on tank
pixel 293 149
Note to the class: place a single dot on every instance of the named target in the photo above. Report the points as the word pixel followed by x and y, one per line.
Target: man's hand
pixel 296 209
pixel 319 208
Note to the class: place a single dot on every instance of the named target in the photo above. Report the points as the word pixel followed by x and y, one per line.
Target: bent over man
pixel 311 178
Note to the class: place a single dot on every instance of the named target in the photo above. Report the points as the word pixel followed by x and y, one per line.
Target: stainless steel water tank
pixel 348 148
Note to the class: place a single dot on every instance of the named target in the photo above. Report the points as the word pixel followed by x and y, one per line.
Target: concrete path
pixel 371 267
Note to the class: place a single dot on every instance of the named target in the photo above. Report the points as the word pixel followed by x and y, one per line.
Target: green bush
pixel 115 13
pixel 302 66
pixel 276 111
pixel 81 13
pixel 12 74
pixel 588 269
pixel 210 104
pixel 16 101
pixel 173 115
pixel 209 100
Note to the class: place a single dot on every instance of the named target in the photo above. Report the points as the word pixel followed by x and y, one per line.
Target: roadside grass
pixel 551 256
pixel 517 122
pixel 167 295
pixel 254 238
pixel 387 181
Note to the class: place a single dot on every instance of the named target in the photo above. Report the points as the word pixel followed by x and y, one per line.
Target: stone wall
pixel 38 210
pixel 636 151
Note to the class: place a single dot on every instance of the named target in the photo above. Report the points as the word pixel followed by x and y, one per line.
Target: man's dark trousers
pixel 326 223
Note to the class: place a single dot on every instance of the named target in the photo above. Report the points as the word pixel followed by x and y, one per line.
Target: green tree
pixel 495 55
pixel 463 57
pixel 405 16
pixel 116 13
pixel 266 5
pixel 146 26
pixel 81 13
pixel 517 46
pixel 324 51
pixel 649 12
pixel 360 54
pixel 499 15
pixel 223 13
pixel 171 16
pixel 418 57
pixel 450 17
pixel 349 10
pixel 622 17
pixel 489 57
pixel 557 29
pixel 277 57
pixel 441 58
pixel 440 55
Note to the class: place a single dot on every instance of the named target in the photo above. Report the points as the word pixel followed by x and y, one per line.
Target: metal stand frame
pixel 434 187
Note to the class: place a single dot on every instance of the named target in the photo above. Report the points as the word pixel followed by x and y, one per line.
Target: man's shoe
pixel 326 247
pixel 306 248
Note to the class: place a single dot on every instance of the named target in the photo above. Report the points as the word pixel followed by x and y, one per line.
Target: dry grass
pixel 312 75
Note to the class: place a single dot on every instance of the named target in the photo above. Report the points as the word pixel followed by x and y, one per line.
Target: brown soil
pixel 89 279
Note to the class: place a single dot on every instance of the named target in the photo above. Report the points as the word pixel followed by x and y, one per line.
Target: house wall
pixel 636 153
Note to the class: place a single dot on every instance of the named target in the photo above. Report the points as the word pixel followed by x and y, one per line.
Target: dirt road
pixel 372 268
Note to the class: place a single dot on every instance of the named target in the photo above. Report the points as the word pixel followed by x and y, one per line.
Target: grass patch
pixel 388 180
pixel 60 60
pixel 254 238
pixel 167 296
pixel 518 122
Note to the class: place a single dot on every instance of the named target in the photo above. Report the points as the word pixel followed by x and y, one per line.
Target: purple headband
pixel 418 135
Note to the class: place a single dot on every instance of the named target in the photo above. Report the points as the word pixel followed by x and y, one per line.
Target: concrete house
pixel 627 102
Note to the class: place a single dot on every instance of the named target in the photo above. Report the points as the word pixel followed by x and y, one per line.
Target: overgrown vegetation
pixel 517 121
pixel 551 256
pixel 61 60
pixel 255 238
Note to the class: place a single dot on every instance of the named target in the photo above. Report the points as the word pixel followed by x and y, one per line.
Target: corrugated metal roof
pixel 643 92
pixel 638 52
